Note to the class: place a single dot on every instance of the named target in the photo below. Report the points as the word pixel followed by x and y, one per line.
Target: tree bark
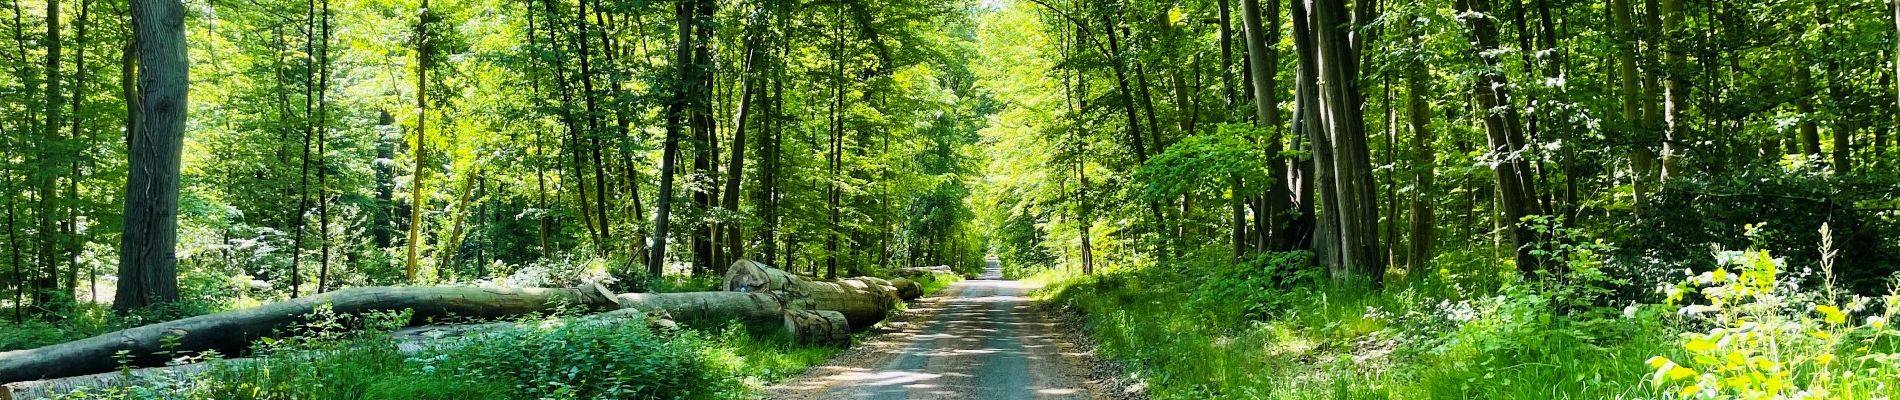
pixel 669 154
pixel 1262 60
pixel 1342 120
pixel 323 152
pixel 1642 157
pixel 147 265
pixel 1675 94
pixel 735 164
pixel 416 201
pixel 705 135
pixel 818 327
pixel 231 332
pixel 1423 228
pixel 863 300
pixel 1501 127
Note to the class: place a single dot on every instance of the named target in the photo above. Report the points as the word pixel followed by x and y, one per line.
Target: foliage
pixel 1768 338
pixel 535 358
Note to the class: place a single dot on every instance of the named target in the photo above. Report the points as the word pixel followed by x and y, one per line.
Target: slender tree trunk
pixel 73 212
pixel 1675 94
pixel 1842 127
pixel 836 149
pixel 1262 60
pixel 452 246
pixel 147 265
pixel 50 150
pixel 588 95
pixel 669 154
pixel 544 220
pixel 1423 229
pixel 1642 156
pixel 705 136
pixel 572 124
pixel 323 153
pixel 303 169
pixel 735 165
pixel 416 201
pixel 1501 127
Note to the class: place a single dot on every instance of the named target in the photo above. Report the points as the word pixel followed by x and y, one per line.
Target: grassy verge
pixel 1272 328
pixel 544 359
pixel 1247 330
pixel 934 283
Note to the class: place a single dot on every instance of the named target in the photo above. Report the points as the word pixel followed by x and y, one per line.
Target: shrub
pixel 1769 339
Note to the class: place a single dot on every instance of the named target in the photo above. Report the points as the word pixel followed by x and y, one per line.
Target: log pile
pixel 913 272
pixel 814 311
pixel 863 300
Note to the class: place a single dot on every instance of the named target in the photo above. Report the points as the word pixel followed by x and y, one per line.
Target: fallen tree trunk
pixel 408 341
pixel 231 333
pixel 859 302
pixel 907 290
pixel 912 272
pixel 52 388
pixel 819 327
pixel 864 301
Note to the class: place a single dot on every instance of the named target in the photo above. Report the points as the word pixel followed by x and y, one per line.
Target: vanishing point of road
pixel 979 339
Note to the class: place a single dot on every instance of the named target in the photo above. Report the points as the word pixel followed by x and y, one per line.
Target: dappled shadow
pixel 978 344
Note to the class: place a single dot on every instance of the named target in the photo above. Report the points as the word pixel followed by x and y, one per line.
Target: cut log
pixel 912 272
pixel 819 327
pixel 704 306
pixel 52 388
pixel 231 333
pixel 907 290
pixel 864 301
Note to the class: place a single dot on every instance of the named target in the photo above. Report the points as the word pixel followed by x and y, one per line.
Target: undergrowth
pixel 1272 328
pixel 552 358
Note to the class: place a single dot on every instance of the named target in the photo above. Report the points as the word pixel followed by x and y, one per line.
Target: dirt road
pixel 979 339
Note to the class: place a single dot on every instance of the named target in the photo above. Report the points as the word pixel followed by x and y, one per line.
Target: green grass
pixel 936 282
pixel 1191 334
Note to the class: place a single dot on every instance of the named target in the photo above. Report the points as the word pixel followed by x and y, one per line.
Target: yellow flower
pixel 1831 314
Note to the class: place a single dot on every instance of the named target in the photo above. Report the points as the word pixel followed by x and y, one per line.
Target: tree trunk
pixel 907 289
pixel 231 332
pixel 863 300
pixel 818 327
pixel 1423 228
pixel 669 154
pixel 704 133
pixel 1262 62
pixel 1506 143
pixel 735 164
pixel 147 266
pixel 1675 94
pixel 323 153
pixel 590 99
pixel 416 201
pixel 1341 107
pixel 1307 126
pixel 1642 157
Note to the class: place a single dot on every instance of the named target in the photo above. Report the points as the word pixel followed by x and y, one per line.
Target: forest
pixel 715 199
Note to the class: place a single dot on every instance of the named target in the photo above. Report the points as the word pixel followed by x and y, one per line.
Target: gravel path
pixel 979 339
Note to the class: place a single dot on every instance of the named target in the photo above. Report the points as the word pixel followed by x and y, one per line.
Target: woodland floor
pixel 978 339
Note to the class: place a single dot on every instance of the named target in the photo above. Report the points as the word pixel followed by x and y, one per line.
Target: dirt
pixel 979 339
